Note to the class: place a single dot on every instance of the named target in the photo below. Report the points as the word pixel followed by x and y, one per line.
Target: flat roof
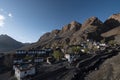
pixel 24 67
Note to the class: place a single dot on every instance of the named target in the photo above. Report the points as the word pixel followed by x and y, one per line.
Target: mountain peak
pixel 92 21
pixel 113 21
pixel 7 43
pixel 56 31
pixel 74 25
pixel 93 18
pixel 115 16
pixel 74 22
pixel 2 35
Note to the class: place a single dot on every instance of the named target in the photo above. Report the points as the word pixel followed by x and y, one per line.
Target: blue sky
pixel 27 20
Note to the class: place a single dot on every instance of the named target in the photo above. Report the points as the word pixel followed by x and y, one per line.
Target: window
pixel 25 72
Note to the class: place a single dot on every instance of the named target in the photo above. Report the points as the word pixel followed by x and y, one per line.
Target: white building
pixel 83 50
pixel 69 57
pixel 103 44
pixel 50 60
pixel 21 71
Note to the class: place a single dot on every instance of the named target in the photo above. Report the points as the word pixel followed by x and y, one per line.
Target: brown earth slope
pixel 109 70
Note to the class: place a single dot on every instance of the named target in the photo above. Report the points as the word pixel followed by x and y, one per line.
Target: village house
pixel 39 52
pixel 22 71
pixel 17 61
pixel 44 51
pixel 38 59
pixel 23 58
pixel 21 52
pixel 50 60
pixel 18 58
pixel 82 50
pixel 103 44
pixel 36 55
pixel 48 49
pixel 69 57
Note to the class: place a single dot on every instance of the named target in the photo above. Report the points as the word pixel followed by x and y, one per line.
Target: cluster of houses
pixel 25 62
pixel 90 44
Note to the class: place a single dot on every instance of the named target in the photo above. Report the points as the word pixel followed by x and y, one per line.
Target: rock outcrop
pixel 91 29
pixel 92 22
pixel 72 26
pixel 112 28
pixel 112 22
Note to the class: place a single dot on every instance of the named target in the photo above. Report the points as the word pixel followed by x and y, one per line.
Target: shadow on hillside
pixel 95 66
pixel 110 24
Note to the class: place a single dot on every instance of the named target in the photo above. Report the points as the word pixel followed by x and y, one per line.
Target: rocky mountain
pixel 91 29
pixel 7 43
pixel 59 37
pixel 112 28
pixel 75 32
pixel 112 22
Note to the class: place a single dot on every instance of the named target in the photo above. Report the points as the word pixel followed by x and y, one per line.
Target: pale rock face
pixel 66 28
pixel 115 16
pixel 73 25
pixel 91 21
pixel 112 22
pixel 56 31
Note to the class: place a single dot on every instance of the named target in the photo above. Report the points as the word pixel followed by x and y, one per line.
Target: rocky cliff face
pixel 92 22
pixel 59 37
pixel 91 29
pixel 112 22
pixel 74 32
pixel 72 26
pixel 112 28
pixel 115 17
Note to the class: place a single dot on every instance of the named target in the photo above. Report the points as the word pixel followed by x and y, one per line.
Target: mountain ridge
pixel 8 44
pixel 75 32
